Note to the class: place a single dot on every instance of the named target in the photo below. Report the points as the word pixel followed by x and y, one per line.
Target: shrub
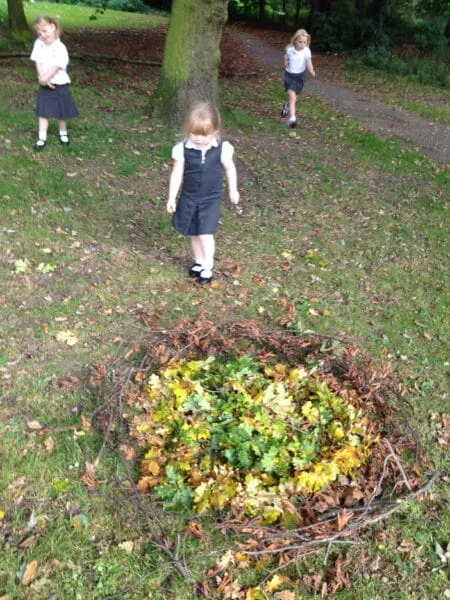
pixel 431 34
pixel 336 31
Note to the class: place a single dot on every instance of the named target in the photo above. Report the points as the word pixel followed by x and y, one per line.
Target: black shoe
pixel 285 110
pixel 195 270
pixel 64 140
pixel 39 144
pixel 205 277
pixel 292 124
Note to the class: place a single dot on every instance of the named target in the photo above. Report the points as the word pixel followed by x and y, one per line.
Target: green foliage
pixel 431 34
pixel 427 70
pixel 245 437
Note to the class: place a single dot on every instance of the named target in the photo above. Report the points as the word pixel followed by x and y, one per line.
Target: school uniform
pixel 54 103
pixel 198 208
pixel 294 75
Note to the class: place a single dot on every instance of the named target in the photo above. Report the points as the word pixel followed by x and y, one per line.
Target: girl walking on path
pixel 54 100
pixel 297 60
pixel 199 161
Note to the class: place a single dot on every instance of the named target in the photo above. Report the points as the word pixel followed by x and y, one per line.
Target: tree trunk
pixel 191 58
pixel 17 21
pixel 378 10
pixel 297 12
pixel 360 6
pixel 262 10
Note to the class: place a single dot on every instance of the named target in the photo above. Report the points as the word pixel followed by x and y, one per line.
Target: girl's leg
pixel 63 135
pixel 43 127
pixel 208 246
pixel 197 251
pixel 292 102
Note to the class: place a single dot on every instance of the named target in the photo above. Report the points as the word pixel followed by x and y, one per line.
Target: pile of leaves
pixel 290 443
pixel 246 437
pixel 261 423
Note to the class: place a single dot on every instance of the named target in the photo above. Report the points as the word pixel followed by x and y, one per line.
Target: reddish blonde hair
pixel 203 119
pixel 46 20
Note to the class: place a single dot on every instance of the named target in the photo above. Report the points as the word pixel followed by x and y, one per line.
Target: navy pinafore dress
pixel 198 208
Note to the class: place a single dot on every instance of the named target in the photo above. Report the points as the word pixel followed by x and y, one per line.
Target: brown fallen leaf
pixel 49 444
pixel 30 572
pixel 34 425
pixel 128 452
pixel 343 518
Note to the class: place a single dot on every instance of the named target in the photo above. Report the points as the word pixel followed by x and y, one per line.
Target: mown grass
pixel 87 17
pixel 372 212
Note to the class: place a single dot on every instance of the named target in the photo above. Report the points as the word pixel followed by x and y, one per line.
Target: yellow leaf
pixel 274 583
pixel 67 337
pixel 2 514
pixel 34 425
pixel 286 254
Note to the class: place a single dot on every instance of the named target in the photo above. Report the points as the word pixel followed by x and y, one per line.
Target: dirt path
pixel 433 139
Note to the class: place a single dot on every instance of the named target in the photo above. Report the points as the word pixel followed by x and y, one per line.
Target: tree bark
pixel 262 10
pixel 17 22
pixel 191 58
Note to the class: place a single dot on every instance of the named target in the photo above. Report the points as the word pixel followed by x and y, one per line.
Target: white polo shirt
pixel 297 59
pixel 49 56
pixel 225 156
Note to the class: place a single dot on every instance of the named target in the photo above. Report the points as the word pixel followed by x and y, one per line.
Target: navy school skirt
pixel 55 103
pixel 294 81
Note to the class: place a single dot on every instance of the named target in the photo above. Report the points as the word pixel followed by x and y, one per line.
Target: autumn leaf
pixel 126 546
pixel 49 444
pixel 68 337
pixel 20 266
pixel 343 518
pixel 129 453
pixel 80 521
pixel 286 595
pixel 34 425
pixel 276 582
pixel 30 572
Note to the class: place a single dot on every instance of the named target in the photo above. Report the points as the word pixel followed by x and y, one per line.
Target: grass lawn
pixel 349 229
pixel 87 17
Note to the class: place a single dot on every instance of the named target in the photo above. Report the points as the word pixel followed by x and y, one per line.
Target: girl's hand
pixel 234 197
pixel 171 206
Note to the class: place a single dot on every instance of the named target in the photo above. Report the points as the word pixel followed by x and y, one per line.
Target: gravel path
pixel 433 139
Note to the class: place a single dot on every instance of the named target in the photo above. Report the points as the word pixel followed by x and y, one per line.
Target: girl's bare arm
pixel 309 66
pixel 176 177
pixel 231 175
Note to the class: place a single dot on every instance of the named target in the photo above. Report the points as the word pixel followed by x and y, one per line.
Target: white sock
pixel 292 119
pixel 61 132
pixel 42 135
pixel 208 265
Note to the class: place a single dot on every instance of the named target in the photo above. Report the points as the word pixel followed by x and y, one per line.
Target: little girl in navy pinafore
pixel 198 208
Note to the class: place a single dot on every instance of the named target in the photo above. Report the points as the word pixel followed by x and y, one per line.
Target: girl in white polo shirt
pixel 297 60
pixel 54 100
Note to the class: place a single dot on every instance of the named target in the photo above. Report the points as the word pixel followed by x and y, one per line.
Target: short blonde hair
pixel 46 20
pixel 299 34
pixel 202 119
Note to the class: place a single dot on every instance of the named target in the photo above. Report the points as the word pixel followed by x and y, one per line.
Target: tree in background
pixel 17 21
pixel 191 57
